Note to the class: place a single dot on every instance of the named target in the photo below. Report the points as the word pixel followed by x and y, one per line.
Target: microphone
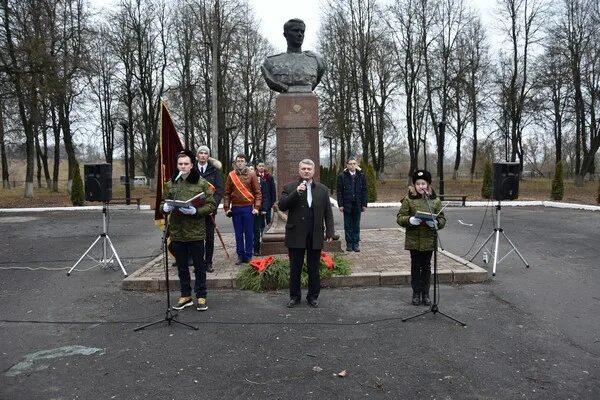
pixel 178 176
pixel 304 183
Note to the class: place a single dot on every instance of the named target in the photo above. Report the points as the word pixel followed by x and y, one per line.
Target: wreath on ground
pixel 270 273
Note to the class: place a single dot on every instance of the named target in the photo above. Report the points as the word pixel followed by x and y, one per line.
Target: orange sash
pixel 211 187
pixel 240 187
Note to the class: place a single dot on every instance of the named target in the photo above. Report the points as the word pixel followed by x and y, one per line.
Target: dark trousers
pixel 243 225
pixel 209 242
pixel 260 223
pixel 352 225
pixel 420 270
pixel 182 251
pixel 313 259
pixel 259 227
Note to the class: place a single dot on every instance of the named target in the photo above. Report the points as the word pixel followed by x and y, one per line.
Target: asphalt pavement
pixel 531 332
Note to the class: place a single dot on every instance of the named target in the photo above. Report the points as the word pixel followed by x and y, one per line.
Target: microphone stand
pixel 434 308
pixel 169 316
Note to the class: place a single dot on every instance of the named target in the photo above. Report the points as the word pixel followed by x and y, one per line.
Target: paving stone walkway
pixel 381 261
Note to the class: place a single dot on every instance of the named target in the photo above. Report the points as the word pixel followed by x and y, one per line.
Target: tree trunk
pixel 56 131
pixel 63 119
pixel 4 158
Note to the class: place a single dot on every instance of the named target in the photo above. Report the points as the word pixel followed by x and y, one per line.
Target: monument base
pixel 273 239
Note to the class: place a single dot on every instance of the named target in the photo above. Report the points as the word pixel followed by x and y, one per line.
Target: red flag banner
pixel 169 145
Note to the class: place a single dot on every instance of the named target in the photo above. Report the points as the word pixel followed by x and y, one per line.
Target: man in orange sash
pixel 241 201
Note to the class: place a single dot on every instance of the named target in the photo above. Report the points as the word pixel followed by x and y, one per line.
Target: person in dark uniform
pixel 210 169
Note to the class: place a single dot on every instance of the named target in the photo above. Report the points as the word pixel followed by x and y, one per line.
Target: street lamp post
pixel 124 125
pixel 331 177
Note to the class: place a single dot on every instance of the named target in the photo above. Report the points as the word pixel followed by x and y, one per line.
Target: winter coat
pixel 187 228
pixel 232 197
pixel 267 188
pixel 296 228
pixel 420 237
pixel 213 175
pixel 345 195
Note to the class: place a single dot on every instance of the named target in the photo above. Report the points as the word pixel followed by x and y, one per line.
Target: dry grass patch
pixel 529 189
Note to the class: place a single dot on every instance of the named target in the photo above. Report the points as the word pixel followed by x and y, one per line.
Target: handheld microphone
pixel 304 183
pixel 178 176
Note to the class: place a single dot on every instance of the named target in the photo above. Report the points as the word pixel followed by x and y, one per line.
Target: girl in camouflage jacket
pixel 420 236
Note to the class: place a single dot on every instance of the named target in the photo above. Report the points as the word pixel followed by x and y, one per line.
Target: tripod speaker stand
pixel 104 261
pixel 496 233
pixel 434 308
pixel 169 316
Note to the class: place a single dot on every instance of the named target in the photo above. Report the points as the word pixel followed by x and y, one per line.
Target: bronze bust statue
pixel 294 70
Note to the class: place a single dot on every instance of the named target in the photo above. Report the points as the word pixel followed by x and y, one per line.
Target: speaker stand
pixel 496 233
pixel 104 262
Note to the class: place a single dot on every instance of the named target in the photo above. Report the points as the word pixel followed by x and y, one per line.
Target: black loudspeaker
pixel 98 182
pixel 506 180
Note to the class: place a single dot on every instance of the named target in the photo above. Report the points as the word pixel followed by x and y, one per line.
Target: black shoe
pixel 239 261
pixel 209 267
pixel 256 253
pixel 426 299
pixel 349 248
pixel 292 303
pixel 356 248
pixel 313 303
pixel 416 299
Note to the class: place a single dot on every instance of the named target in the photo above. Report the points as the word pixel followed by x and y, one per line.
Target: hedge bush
pixel 77 190
pixel 371 181
pixel 558 186
pixel 486 187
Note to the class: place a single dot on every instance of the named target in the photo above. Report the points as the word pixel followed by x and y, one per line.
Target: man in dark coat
pixel 309 223
pixel 210 169
pixel 352 201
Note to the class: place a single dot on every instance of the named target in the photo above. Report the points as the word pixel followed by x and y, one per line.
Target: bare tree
pixel 336 101
pixel 3 157
pixel 20 60
pixel 522 20
pixel 410 27
pixel 580 35
pixel 102 69
pixel 554 90
pixel 438 71
pixel 478 68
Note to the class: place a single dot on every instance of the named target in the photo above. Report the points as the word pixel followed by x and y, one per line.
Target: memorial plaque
pixel 297 121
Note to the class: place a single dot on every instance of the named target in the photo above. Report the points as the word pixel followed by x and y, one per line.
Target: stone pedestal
pixel 297 129
pixel 297 132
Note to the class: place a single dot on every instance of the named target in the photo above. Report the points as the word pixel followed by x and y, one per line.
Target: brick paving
pixel 381 261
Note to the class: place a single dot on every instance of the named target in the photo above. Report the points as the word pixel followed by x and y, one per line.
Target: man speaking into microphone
pixel 309 224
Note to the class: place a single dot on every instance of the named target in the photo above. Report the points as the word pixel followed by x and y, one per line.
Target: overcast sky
pixel 272 14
